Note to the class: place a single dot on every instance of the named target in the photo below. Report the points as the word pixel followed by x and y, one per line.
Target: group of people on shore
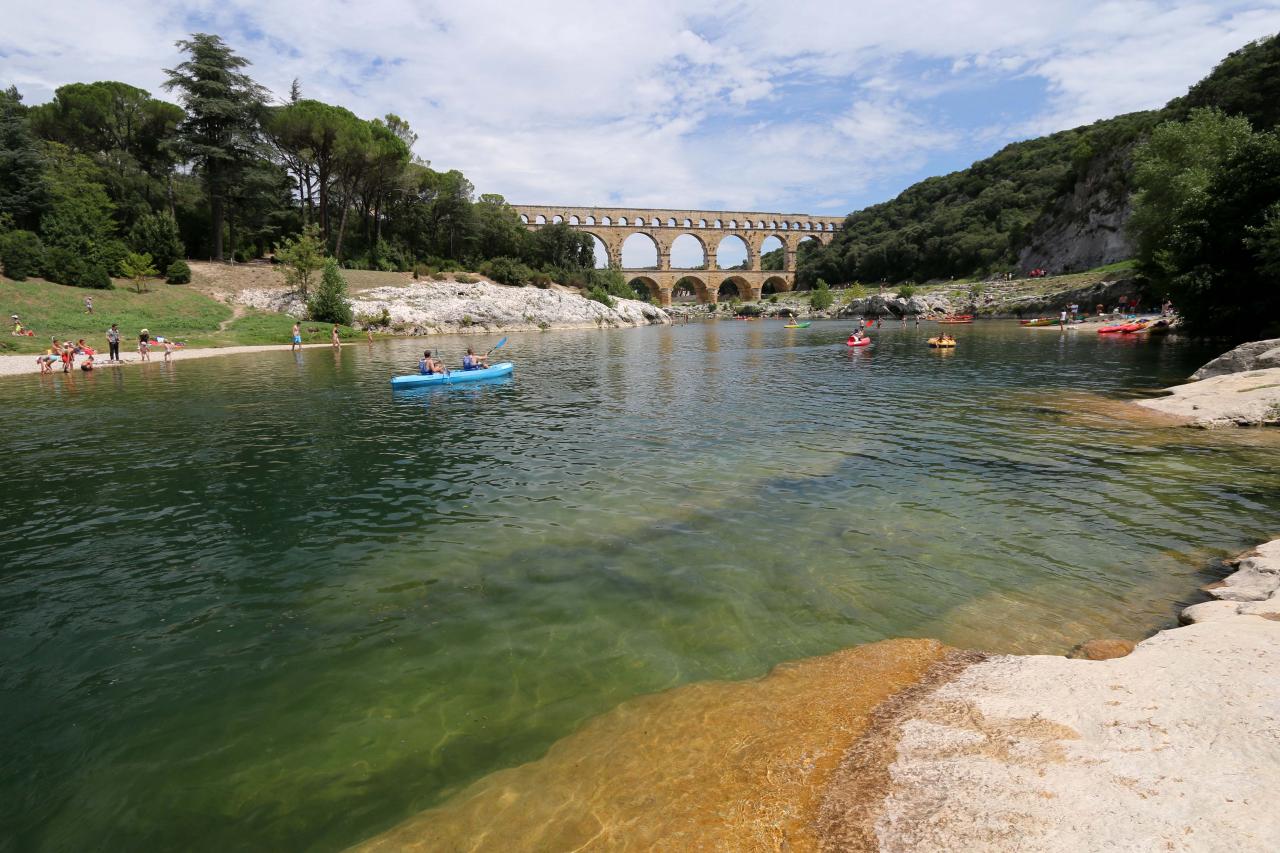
pixel 66 352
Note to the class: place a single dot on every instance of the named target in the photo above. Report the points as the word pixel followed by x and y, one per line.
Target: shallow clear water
pixel 260 602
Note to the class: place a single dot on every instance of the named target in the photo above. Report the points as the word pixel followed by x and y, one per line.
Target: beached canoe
pixel 415 380
pixel 1123 327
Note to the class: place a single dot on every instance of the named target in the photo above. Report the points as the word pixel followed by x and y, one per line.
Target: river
pixel 261 603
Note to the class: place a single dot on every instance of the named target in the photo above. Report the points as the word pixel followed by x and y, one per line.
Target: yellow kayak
pixel 940 343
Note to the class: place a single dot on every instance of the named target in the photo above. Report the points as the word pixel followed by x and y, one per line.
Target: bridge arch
pixel 682 245
pixel 775 284
pixel 734 286
pixel 735 244
pixel 635 253
pixel 650 285
pixel 695 285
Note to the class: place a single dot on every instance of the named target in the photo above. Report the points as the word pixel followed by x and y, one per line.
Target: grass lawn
pixel 174 311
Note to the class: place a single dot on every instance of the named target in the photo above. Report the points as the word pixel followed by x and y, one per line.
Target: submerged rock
pixel 1102 649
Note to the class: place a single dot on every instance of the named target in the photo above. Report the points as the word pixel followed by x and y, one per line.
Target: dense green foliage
pixel 103 169
pixel 975 221
pixel 178 272
pixel 821 298
pixel 330 304
pixel 21 254
pixel 1207 222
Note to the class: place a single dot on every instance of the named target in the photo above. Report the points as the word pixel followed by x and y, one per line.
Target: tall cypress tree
pixel 22 185
pixel 221 130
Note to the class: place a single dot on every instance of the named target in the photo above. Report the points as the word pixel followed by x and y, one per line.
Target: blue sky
pixel 803 107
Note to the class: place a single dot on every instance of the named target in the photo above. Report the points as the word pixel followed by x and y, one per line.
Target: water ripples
pixel 323 606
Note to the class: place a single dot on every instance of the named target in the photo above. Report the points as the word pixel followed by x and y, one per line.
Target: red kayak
pixel 854 342
pixel 1123 327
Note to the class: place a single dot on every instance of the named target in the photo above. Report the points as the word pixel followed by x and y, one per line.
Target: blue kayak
pixel 415 380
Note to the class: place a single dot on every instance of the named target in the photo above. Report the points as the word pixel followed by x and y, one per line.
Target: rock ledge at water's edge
pixel 1172 747
pixel 1240 388
pixel 475 308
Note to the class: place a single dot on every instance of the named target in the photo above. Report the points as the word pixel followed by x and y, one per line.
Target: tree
pixel 138 267
pixel 23 192
pixel 1172 171
pixel 559 245
pixel 78 217
pixel 330 304
pixel 156 234
pixel 21 254
pixel 301 257
pixel 821 299
pixel 221 127
pixel 501 233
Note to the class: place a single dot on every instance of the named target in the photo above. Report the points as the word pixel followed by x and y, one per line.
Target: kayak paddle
pixel 498 345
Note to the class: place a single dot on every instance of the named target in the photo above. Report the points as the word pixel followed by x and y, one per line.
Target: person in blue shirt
pixel 428 366
pixel 471 361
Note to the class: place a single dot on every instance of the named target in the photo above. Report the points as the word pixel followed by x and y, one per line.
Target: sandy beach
pixel 20 365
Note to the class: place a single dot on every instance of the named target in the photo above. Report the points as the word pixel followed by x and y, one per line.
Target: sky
pixel 801 107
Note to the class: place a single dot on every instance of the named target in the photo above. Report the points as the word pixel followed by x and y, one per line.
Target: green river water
pixel 261 603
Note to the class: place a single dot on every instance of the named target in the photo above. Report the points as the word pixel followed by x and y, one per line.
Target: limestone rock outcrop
pixel 1256 355
pixel 475 307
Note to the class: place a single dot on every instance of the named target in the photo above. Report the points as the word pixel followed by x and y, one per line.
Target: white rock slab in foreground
pixel 1175 747
pixel 1233 399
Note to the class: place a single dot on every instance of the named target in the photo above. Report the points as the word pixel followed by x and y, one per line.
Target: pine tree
pixel 330 304
pixel 22 185
pixel 222 128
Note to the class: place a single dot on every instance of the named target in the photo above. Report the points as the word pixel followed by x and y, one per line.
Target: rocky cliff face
pixel 1086 228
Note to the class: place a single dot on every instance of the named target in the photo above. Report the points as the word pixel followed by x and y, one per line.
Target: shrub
pixel 540 279
pixel 330 304
pixel 96 277
pixel 64 266
pixel 507 271
pixel 156 234
pixel 21 254
pixel 439 276
pixel 773 300
pixel 821 298
pixel 243 256
pixel 301 257
pixel 599 294
pixel 423 271
pixel 463 278
pixel 750 311
pixel 178 273
pixel 906 291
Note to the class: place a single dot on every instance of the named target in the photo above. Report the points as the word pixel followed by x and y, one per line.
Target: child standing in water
pixel 333 336
pixel 144 345
pixel 168 350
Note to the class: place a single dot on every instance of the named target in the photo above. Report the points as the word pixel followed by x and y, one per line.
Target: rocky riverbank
pixel 481 307
pixel 1173 747
pixel 1240 388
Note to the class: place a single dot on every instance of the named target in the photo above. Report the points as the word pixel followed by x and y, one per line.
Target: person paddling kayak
pixel 428 366
pixel 471 361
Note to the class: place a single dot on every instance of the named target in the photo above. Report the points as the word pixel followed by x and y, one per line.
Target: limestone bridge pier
pixel 612 226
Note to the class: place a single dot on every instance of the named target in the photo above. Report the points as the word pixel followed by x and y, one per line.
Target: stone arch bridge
pixel 613 225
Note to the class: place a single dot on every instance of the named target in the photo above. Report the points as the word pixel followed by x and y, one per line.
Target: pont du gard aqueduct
pixel 707 282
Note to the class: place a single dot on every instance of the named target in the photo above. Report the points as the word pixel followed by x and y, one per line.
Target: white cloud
pixel 668 103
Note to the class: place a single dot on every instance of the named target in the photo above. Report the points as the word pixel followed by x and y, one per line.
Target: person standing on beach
pixel 297 338
pixel 113 344
pixel 144 345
